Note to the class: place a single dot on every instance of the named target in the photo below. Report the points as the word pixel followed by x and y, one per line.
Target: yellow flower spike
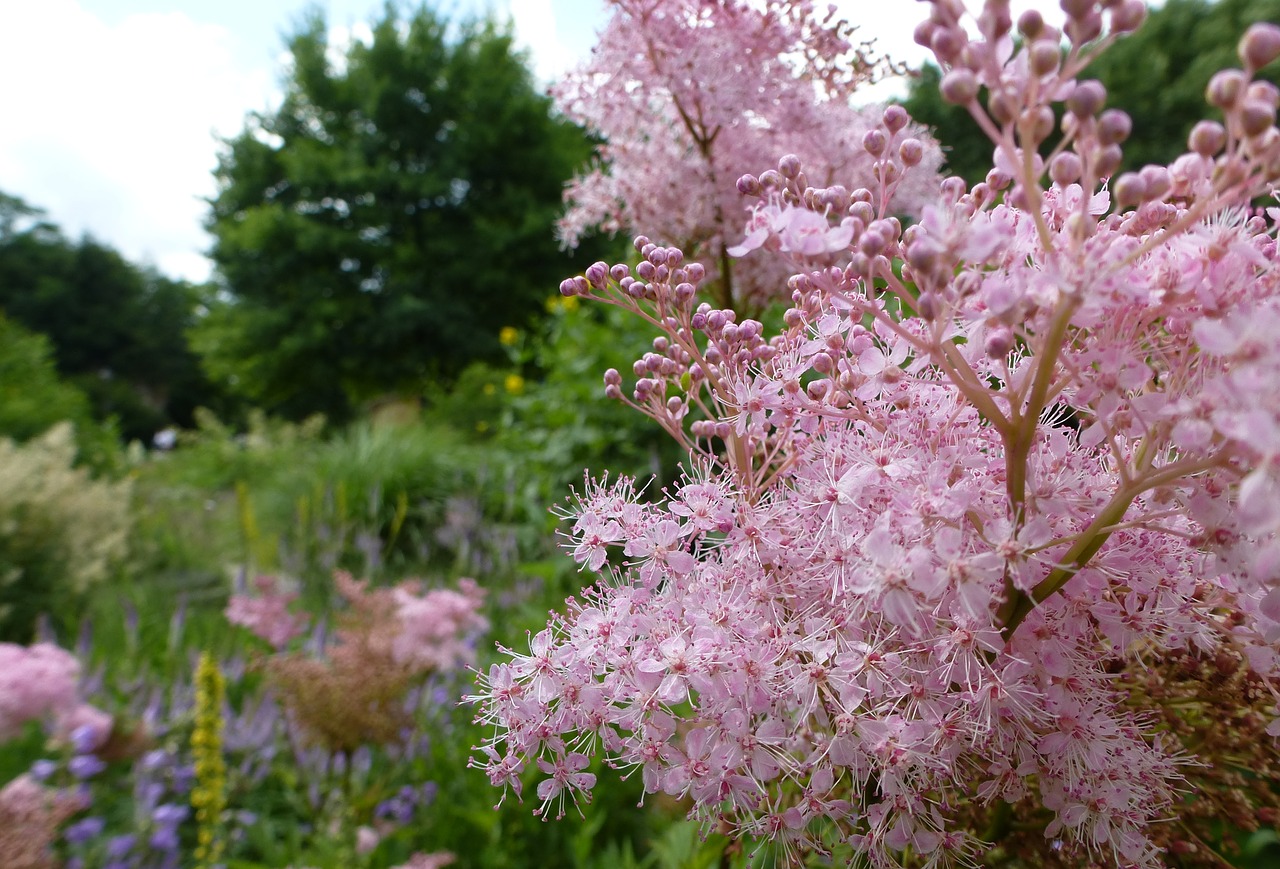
pixel 209 796
pixel 514 384
pixel 508 336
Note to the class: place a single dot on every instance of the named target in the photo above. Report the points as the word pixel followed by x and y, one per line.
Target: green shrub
pixel 33 398
pixel 61 531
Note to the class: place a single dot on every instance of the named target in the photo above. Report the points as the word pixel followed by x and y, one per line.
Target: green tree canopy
pixel 1158 75
pixel 117 330
pixel 389 219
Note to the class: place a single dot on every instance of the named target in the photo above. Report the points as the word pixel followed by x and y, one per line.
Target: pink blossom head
pixel 35 683
pixel 267 614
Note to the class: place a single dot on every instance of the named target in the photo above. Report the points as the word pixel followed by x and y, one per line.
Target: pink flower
pixel 35 683
pixel 267 613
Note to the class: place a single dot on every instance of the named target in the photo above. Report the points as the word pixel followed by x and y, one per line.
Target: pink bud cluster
pixel 689 94
pixel 987 462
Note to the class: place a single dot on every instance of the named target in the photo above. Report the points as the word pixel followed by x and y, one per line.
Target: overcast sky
pixel 110 109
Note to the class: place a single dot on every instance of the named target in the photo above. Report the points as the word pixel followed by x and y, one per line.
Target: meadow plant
pixel 977 556
pixel 30 818
pixel 37 683
pixel 689 94
pixel 209 797
pixel 386 642
pixel 61 530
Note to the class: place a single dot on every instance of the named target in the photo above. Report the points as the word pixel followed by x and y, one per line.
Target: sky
pixel 111 110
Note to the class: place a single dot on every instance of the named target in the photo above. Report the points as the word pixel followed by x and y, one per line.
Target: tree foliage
pixel 118 331
pixel 1158 75
pixel 393 214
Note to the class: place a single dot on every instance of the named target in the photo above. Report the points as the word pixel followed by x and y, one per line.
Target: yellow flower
pixel 514 384
pixel 208 797
pixel 489 389
pixel 482 427
pixel 570 303
pixel 508 336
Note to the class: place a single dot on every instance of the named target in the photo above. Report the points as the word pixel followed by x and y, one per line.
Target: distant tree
pixel 34 398
pixel 382 226
pixel 1158 75
pixel 117 330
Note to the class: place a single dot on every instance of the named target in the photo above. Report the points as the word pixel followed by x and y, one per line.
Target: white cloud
pixel 535 24
pixel 112 129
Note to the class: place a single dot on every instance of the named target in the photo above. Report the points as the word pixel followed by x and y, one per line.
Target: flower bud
pixel 959 86
pixel 1107 161
pixel 998 180
pixel 1086 29
pixel 929 306
pixel 871 243
pixel 923 255
pixel 612 377
pixel 923 34
pixel 862 211
pixel 749 185
pixel 999 342
pixel 1157 181
pixel 1044 57
pixel 1260 45
pixel 835 197
pixel 1114 127
pixel 1263 91
pixel 1000 107
pixel 789 166
pixel 1087 98
pixel 1256 117
pixel 597 274
pixel 1076 8
pixel 1207 138
pixel 873 142
pixel 1040 121
pixel 947 43
pixel 1129 190
pixel 1128 16
pixel 895 118
pixel 1225 88
pixel 1065 168
pixel 911 152
pixel 952 187
pixel 770 179
pixel 1031 24
pixel 696 272
pixel 568 287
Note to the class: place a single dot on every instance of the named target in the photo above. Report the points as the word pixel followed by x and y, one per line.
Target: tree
pixel 688 95
pixel 118 331
pixel 1158 75
pixel 385 223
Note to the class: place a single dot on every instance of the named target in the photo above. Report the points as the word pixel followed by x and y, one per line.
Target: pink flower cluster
pixel 689 94
pixel 36 683
pixel 266 614
pixel 421 629
pixel 988 462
